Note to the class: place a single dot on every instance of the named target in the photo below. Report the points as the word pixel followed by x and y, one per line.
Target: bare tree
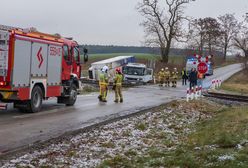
pixel 163 24
pixel 229 28
pixel 197 37
pixel 241 41
pixel 212 31
pixel 204 34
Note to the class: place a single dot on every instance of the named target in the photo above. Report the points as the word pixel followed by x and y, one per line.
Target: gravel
pixel 135 134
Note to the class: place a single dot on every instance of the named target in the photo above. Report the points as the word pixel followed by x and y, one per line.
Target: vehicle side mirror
pixel 149 71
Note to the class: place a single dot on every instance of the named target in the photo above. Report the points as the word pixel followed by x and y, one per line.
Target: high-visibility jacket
pixel 167 74
pixel 103 79
pixel 161 74
pixel 174 75
pixel 118 79
pixel 184 74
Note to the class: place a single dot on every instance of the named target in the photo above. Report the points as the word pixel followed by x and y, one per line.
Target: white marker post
pixel 188 95
pixel 192 93
pixel 217 84
pixel 200 91
pixel 196 92
pixel 214 84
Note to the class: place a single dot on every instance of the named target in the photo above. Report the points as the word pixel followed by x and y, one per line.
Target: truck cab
pixel 135 72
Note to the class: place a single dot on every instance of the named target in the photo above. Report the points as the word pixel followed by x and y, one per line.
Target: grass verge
pixel 220 141
pixel 237 83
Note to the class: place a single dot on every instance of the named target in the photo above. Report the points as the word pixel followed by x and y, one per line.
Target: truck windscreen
pixel 134 71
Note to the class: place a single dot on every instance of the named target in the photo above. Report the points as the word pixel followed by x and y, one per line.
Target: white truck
pixel 136 72
pixel 112 63
pixel 133 72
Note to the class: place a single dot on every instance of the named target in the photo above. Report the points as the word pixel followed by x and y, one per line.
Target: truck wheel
pixel 34 105
pixel 73 95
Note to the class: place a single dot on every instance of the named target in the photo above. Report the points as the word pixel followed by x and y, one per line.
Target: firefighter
pixel 161 76
pixel 167 77
pixel 118 86
pixel 174 76
pixel 103 83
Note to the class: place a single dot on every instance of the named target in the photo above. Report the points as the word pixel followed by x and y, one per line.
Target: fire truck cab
pixel 35 66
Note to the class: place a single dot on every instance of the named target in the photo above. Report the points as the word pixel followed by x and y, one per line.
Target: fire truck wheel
pixel 34 105
pixel 73 95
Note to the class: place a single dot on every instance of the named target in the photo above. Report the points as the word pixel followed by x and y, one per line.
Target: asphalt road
pixel 20 129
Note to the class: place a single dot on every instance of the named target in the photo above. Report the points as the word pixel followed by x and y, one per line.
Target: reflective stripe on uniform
pixel 118 79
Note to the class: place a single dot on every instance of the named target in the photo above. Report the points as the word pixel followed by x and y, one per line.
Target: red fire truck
pixel 35 66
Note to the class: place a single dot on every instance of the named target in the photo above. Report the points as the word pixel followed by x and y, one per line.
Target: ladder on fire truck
pixel 8 28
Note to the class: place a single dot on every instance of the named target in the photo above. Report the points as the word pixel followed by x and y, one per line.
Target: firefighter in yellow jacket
pixel 118 86
pixel 167 77
pixel 161 76
pixel 103 83
pixel 174 76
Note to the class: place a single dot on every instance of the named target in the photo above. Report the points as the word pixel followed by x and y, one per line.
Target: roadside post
pixel 219 83
pixel 188 95
pixel 192 93
pixel 213 84
pixel 200 91
pixel 196 92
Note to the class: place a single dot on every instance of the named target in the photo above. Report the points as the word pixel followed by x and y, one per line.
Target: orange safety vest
pixel 200 76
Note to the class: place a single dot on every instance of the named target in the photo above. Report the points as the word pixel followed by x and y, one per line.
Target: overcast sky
pixel 114 22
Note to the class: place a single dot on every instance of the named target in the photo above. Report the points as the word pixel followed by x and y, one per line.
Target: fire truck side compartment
pixel 22 62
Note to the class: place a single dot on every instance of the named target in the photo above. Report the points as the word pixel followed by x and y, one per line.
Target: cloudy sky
pixel 114 22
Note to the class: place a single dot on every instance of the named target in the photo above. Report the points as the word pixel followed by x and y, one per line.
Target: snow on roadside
pixel 135 134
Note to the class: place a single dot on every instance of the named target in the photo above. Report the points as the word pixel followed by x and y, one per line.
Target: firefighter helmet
pixel 118 70
pixel 105 69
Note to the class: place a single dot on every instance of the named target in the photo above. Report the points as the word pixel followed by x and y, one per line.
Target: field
pixel 237 83
pixel 219 62
pixel 96 57
pixel 149 59
pixel 138 56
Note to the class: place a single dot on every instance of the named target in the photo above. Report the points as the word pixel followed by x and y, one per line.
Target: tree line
pixel 165 24
pixel 106 49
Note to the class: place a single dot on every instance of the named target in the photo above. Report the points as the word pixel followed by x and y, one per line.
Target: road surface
pixel 20 129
